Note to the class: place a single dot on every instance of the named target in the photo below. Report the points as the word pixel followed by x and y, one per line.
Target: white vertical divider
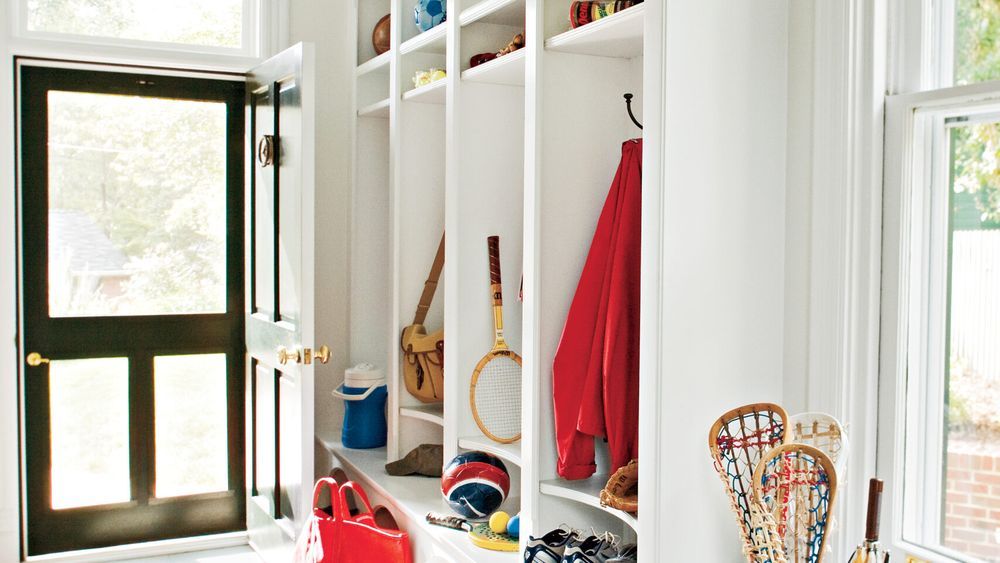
pixel 652 369
pixel 531 380
pixel 395 384
pixel 455 382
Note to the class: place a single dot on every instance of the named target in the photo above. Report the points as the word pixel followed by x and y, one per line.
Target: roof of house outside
pixel 74 235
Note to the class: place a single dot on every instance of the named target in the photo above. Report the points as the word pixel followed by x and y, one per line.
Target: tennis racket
pixel 495 391
pixel 738 441
pixel 797 484
pixel 479 534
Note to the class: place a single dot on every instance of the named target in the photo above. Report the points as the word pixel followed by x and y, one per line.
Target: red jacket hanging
pixel 595 373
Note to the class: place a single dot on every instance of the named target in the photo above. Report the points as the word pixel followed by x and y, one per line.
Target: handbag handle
pixel 338 393
pixel 359 493
pixel 430 286
pixel 334 488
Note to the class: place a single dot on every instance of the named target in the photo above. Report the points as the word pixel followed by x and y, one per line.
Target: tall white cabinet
pixel 526 147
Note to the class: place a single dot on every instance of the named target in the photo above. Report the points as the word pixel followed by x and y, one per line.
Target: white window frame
pixel 265 32
pixel 914 304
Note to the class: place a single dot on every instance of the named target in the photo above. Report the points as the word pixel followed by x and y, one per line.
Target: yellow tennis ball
pixel 498 522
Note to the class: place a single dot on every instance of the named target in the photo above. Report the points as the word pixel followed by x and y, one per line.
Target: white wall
pixel 798 204
pixel 324 23
pixel 723 249
pixel 9 498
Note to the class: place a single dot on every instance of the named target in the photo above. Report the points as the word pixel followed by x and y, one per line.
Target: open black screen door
pixel 280 300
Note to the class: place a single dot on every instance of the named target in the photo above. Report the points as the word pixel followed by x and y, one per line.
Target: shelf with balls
pixel 431 29
pixel 619 34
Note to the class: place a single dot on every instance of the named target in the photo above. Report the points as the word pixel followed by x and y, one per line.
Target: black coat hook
pixel 628 106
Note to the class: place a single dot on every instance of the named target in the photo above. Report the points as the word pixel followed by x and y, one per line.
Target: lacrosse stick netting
pixel 797 484
pixel 825 433
pixel 738 441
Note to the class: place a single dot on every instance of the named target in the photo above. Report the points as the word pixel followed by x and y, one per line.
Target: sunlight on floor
pixel 228 555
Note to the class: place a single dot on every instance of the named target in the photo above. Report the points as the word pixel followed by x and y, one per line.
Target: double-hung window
pixel 939 438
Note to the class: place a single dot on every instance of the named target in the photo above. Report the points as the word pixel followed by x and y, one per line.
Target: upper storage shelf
pixel 501 12
pixel 618 35
pixel 375 65
pixel 508 69
pixel 434 40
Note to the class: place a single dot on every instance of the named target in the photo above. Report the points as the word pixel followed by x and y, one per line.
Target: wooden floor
pixel 229 555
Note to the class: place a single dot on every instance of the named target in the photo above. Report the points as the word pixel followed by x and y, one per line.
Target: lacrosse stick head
pixel 823 432
pixel 797 484
pixel 738 441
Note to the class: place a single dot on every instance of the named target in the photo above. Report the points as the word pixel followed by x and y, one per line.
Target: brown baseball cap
pixel 425 459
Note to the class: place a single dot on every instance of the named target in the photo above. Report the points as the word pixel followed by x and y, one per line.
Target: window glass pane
pixel 213 23
pixel 137 205
pixel 977 41
pixel 88 406
pixel 971 510
pixel 191 432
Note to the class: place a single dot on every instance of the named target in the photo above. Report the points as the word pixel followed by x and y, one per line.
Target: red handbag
pixel 318 541
pixel 338 537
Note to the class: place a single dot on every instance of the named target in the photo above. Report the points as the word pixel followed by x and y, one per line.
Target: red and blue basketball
pixel 475 484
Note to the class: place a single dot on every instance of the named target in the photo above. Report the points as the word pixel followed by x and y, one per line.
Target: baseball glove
pixel 622 490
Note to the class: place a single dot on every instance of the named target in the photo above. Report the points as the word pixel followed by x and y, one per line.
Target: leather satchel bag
pixel 423 354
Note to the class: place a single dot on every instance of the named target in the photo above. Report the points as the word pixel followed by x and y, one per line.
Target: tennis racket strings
pixel 497 397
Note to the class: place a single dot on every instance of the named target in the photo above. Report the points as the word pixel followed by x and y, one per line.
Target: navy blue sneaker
pixel 550 547
pixel 595 549
pixel 626 554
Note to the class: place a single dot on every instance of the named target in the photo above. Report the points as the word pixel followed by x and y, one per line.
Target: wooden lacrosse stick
pixel 738 441
pixel 824 432
pixel 870 551
pixel 495 390
pixel 797 485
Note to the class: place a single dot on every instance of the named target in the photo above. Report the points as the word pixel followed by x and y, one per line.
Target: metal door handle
pixel 266 150
pixel 321 354
pixel 35 359
pixel 285 355
pixel 306 356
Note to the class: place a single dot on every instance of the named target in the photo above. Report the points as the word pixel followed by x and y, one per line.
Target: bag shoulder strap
pixel 430 286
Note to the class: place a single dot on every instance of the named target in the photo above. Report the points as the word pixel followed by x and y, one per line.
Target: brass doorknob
pixel 285 355
pixel 321 354
pixel 35 359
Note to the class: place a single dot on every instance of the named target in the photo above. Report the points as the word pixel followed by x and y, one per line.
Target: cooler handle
pixel 338 393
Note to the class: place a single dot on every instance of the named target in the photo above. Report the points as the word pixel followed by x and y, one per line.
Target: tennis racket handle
pixel 493 244
pixel 874 508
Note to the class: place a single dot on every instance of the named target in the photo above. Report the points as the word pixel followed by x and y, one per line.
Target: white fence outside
pixel 975 304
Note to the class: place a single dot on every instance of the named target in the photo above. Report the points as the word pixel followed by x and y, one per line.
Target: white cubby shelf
pixel 465 155
pixel 378 109
pixel 506 452
pixel 431 41
pixel 508 69
pixel 376 65
pixel 501 12
pixel 618 35
pixel 588 492
pixel 433 93
pixel 433 413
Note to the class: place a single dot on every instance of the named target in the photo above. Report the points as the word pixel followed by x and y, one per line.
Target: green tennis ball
pixel 498 522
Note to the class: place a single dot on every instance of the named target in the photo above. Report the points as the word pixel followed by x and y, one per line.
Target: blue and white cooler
pixel 364 394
